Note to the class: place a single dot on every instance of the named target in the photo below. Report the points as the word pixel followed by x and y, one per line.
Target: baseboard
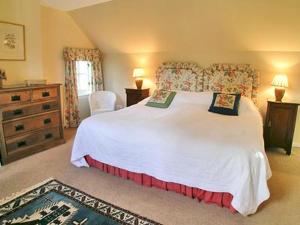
pixel 296 144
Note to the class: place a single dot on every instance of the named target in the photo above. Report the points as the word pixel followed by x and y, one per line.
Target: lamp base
pixel 139 84
pixel 279 93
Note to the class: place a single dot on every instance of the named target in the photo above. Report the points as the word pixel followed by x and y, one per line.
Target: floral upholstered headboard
pixel 226 78
pixel 179 76
pixel 232 78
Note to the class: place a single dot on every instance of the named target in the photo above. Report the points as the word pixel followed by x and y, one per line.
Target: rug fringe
pixel 23 191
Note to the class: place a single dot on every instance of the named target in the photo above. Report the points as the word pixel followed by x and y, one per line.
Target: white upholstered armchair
pixel 102 101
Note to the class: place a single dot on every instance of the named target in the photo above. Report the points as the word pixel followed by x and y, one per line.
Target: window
pixel 84 77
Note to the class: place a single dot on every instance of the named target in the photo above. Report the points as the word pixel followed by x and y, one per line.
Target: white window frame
pixel 84 77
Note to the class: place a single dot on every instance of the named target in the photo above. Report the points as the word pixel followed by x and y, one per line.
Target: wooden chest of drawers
pixel 30 120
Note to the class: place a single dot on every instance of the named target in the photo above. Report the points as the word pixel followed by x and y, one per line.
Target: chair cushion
pixel 98 111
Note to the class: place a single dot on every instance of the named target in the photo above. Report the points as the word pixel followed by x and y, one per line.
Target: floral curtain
pixel 71 96
pixel 71 55
pixel 97 77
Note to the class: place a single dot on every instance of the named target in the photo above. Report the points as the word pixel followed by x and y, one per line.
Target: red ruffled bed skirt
pixel 219 198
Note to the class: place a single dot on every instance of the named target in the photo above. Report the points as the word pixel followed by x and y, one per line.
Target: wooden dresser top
pixel 19 87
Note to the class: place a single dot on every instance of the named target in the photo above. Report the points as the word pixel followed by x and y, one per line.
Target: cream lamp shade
pixel 138 73
pixel 280 82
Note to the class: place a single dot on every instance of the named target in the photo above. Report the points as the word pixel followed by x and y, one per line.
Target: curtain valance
pixel 83 54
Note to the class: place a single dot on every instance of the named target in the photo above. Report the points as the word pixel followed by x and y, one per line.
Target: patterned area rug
pixel 54 203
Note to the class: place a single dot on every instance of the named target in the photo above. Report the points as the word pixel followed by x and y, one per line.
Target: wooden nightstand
pixel 280 124
pixel 136 95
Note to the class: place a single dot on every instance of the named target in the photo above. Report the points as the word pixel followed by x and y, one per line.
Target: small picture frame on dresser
pixel 35 82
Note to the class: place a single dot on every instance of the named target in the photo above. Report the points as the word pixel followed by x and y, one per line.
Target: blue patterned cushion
pixel 226 104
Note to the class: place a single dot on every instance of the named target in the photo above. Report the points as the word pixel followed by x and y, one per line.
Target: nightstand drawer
pixel 44 93
pixel 136 95
pixel 133 100
pixel 26 110
pixel 31 139
pixel 29 124
pixel 14 97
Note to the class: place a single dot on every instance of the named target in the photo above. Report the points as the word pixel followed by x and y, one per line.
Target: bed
pixel 185 148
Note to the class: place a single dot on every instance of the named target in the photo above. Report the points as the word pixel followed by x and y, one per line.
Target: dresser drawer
pixel 26 110
pixel 29 124
pixel 29 140
pixel 7 98
pixel 44 93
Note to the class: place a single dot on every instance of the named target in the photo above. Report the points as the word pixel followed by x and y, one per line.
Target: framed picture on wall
pixel 12 41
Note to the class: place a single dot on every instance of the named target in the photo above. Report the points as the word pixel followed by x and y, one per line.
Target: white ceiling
pixel 68 5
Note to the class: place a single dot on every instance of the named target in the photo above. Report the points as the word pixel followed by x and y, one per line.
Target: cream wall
pixel 26 13
pixel 59 31
pixel 47 32
pixel 118 69
pixel 145 33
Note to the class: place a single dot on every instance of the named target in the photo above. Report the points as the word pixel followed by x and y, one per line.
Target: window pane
pixel 84 77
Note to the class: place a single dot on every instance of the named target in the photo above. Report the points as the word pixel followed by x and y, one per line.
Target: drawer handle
pixel 45 94
pixel 48 136
pixel 46 107
pixel 21 144
pixel 18 112
pixel 19 127
pixel 48 120
pixel 15 98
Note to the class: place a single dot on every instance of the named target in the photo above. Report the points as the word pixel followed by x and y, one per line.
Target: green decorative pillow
pixel 161 98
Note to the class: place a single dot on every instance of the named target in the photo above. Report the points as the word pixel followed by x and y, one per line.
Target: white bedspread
pixel 184 144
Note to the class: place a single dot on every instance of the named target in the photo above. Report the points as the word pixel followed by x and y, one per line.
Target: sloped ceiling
pixel 67 5
pixel 134 26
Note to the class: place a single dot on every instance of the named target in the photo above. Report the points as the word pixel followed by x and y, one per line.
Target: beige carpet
pixel 166 207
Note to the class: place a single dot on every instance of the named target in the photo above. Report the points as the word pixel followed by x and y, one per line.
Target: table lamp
pixel 138 74
pixel 280 82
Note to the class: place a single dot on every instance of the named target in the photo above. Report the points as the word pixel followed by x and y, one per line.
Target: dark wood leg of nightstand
pixel 289 150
